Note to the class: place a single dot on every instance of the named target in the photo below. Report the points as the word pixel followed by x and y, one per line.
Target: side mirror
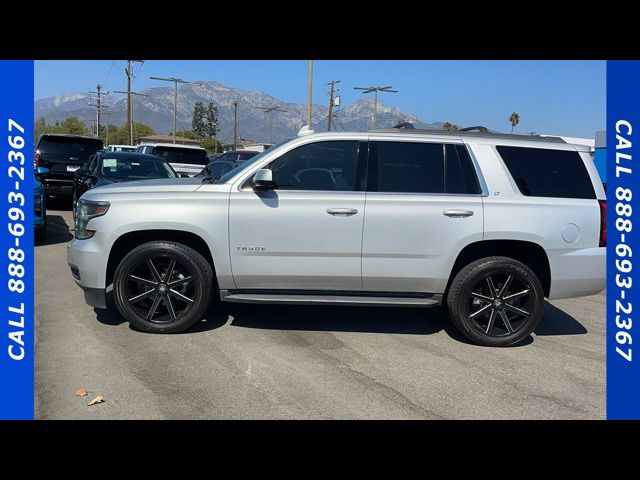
pixel 263 180
pixel 41 171
pixel 184 175
pixel 81 172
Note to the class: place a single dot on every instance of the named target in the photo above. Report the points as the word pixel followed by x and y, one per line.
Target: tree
pixel 39 128
pixel 514 118
pixel 205 120
pixel 212 145
pixel 450 127
pixel 197 124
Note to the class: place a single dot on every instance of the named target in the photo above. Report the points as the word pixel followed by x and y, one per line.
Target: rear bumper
pixel 578 273
pixel 58 186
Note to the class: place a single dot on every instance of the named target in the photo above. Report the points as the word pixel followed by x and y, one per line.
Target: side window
pixel 410 167
pixel 460 175
pixel 318 166
pixel 542 172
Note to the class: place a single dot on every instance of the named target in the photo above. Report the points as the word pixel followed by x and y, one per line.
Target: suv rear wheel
pixel 163 287
pixel 496 301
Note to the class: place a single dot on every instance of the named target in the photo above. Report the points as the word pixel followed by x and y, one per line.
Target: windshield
pixel 243 166
pixel 189 156
pixel 135 168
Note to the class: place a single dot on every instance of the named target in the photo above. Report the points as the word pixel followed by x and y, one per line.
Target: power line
pixel 98 106
pixel 332 102
pixel 375 91
pixel 129 96
pixel 129 72
pixel 269 111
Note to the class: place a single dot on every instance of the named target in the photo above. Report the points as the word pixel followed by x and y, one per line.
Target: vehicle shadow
pixel 57 231
pixel 59 203
pixel 558 322
pixel 388 320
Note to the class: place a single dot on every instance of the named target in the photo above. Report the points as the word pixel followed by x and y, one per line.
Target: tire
pixel 480 315
pixel 74 201
pixel 41 233
pixel 191 278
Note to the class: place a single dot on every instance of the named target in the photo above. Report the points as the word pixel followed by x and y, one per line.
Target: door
pixel 423 205
pixel 306 234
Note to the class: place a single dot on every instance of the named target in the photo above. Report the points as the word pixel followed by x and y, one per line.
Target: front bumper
pixel 88 265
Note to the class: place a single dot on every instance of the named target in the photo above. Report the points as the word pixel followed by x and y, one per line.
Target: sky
pixel 560 97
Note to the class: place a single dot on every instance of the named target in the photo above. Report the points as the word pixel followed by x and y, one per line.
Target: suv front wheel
pixel 163 287
pixel 496 301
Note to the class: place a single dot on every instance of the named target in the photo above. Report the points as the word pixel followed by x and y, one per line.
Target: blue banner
pixel 16 241
pixel 623 327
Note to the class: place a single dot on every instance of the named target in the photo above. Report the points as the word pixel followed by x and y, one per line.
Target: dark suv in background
pixel 63 155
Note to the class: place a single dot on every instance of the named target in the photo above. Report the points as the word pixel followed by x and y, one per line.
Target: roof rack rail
pixel 467 133
pixel 477 128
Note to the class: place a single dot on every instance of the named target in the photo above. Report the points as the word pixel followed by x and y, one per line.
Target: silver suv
pixel 486 224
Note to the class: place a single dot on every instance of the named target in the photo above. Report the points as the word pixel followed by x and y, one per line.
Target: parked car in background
pixel 237 156
pixel 188 159
pixel 120 148
pixel 217 168
pixel 485 224
pixel 63 155
pixel 213 156
pixel 39 205
pixel 105 168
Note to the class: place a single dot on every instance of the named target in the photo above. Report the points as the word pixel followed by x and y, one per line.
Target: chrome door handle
pixel 342 212
pixel 458 213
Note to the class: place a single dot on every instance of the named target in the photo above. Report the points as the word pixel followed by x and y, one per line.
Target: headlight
pixel 37 202
pixel 85 211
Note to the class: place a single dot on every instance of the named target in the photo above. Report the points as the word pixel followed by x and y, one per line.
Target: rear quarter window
pixel 541 172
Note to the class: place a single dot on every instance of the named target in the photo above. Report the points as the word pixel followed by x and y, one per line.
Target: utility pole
pixel 332 92
pixel 129 72
pixel 309 92
pixel 375 91
pixel 129 94
pixel 98 106
pixel 175 81
pixel 269 111
pixel 235 125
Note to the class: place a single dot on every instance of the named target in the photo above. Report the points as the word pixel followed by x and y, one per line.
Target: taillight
pixel 36 160
pixel 603 223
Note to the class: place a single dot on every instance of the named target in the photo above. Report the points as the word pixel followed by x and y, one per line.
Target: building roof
pixel 168 139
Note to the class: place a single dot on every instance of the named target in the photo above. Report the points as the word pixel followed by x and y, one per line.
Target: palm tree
pixel 514 118
pixel 449 127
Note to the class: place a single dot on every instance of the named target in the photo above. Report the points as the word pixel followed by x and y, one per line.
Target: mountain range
pixel 156 110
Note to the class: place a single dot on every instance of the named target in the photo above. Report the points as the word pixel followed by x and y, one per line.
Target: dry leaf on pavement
pixel 95 401
pixel 81 392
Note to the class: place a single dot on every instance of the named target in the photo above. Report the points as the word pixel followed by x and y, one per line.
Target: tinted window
pixel 410 167
pixel 190 156
pixel 133 167
pixel 218 169
pixel 318 166
pixel 72 146
pixel 541 172
pixel 460 175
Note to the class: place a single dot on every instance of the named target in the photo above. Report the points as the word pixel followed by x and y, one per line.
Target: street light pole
pixel 309 91
pixel 375 91
pixel 269 111
pixel 175 81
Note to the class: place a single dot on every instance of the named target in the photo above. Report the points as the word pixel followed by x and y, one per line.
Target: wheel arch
pixel 529 253
pixel 130 240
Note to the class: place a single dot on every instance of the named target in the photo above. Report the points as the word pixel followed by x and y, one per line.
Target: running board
pixel 314 299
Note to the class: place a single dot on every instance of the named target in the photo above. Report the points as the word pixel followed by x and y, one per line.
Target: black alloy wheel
pixel 500 304
pixel 160 289
pixel 163 287
pixel 495 301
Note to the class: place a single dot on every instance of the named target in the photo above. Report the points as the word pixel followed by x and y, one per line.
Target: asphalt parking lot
pixel 277 362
